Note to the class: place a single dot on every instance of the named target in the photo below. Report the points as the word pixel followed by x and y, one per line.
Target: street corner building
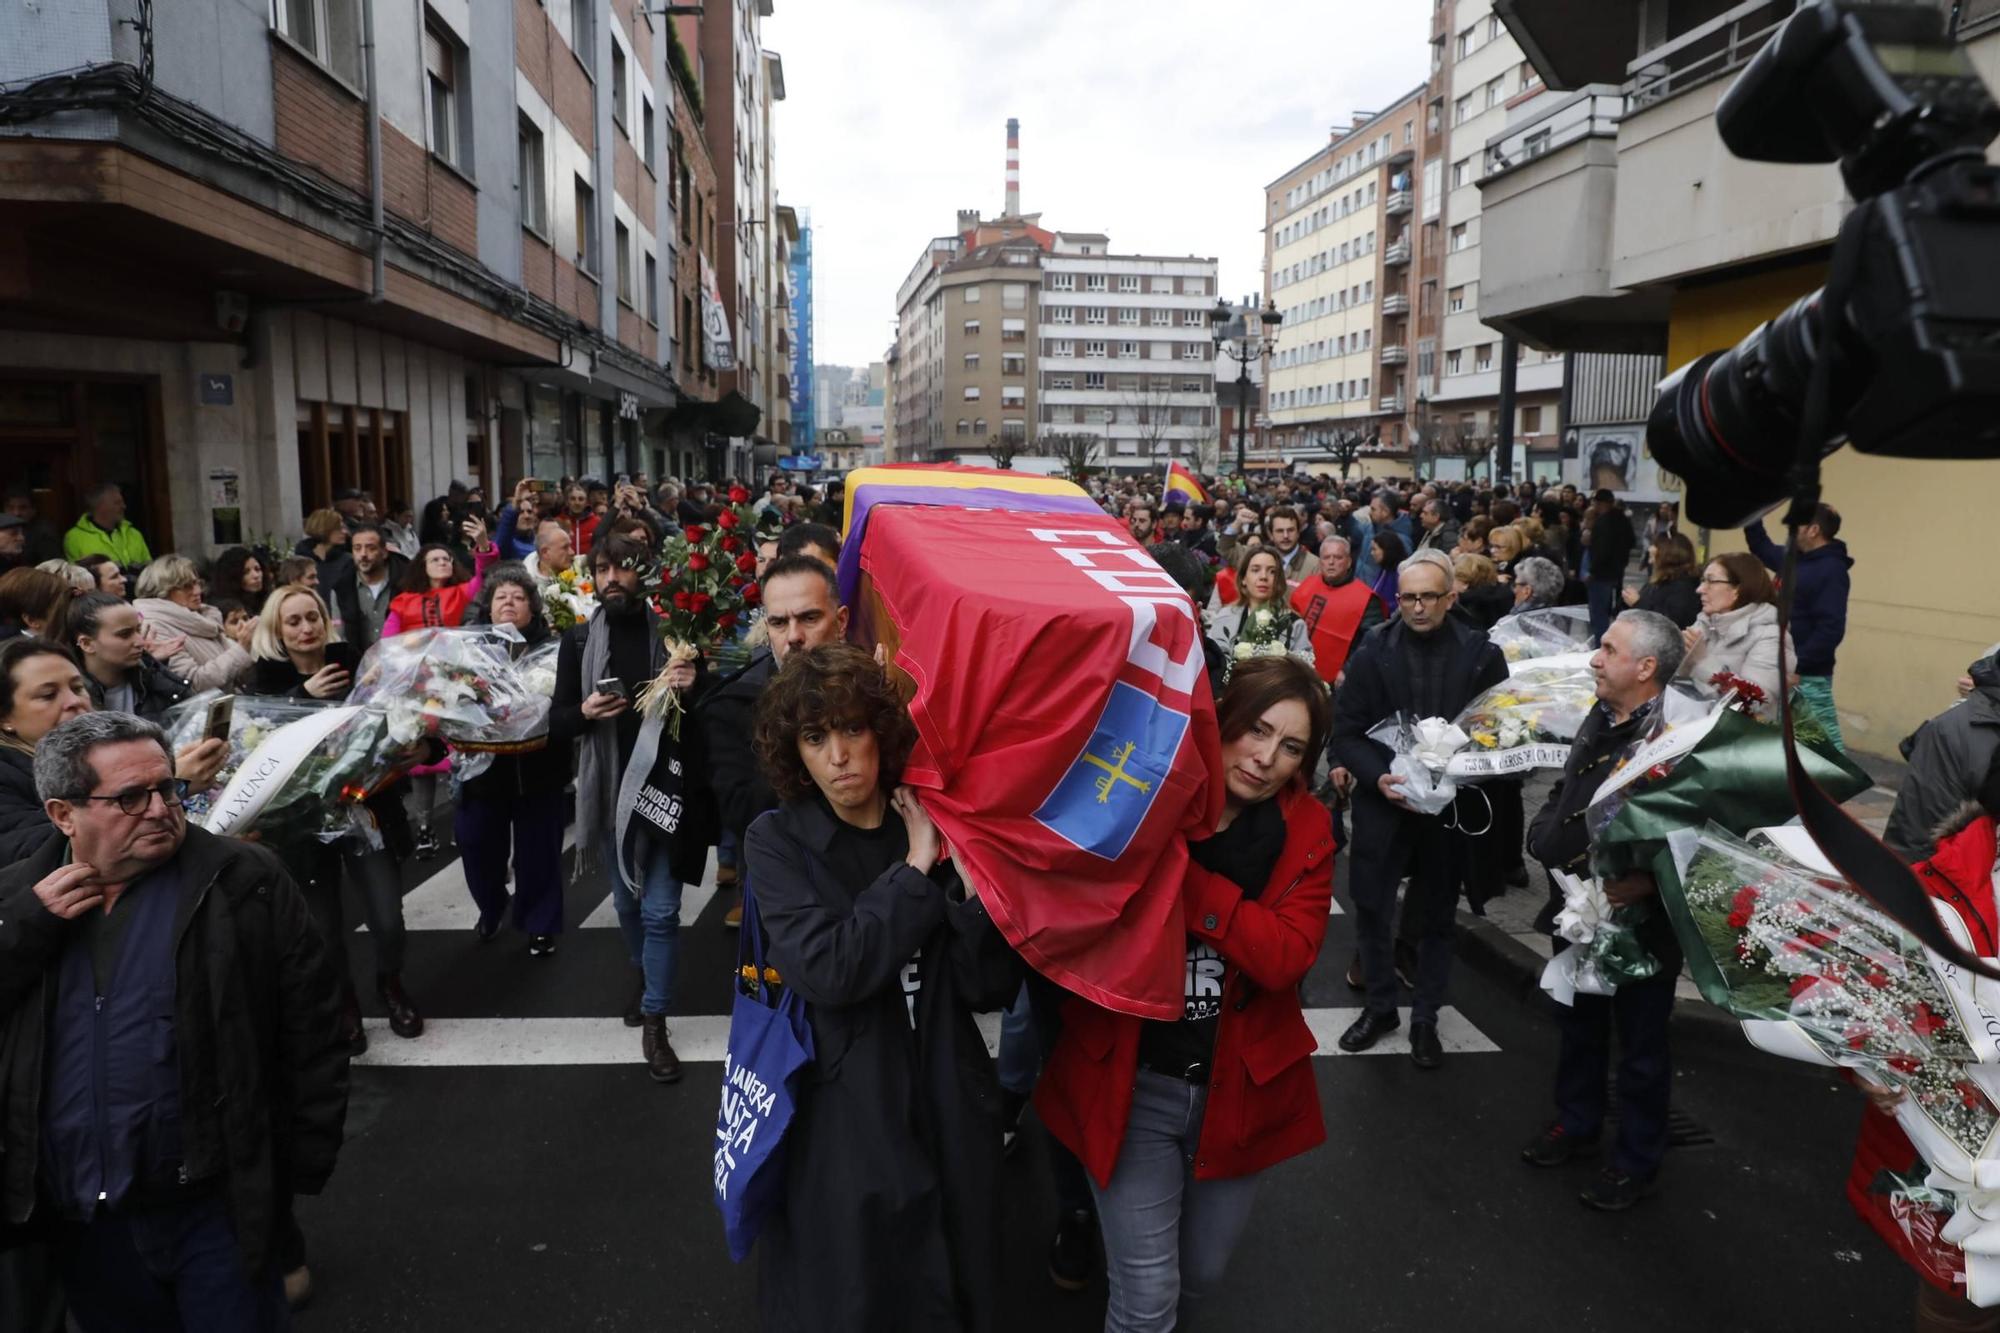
pixel 253 254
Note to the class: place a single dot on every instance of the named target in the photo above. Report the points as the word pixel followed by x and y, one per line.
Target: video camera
pixel 1882 89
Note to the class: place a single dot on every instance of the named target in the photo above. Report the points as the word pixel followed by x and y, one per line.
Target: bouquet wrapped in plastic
pixel 1526 721
pixel 461 686
pixel 307 778
pixel 570 598
pixel 1818 973
pixel 1547 631
pixel 252 718
pixel 1423 750
pixel 1604 951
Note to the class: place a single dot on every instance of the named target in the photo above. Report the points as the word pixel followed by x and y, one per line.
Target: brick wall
pixel 319 121
pixel 575 99
pixel 625 170
pixel 537 266
pixel 534 44
pixel 420 190
pixel 632 329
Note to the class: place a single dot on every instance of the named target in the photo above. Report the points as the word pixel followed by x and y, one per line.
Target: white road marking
pixel 443 902
pixel 501 1042
pixel 694 900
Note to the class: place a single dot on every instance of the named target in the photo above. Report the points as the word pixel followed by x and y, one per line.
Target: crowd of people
pixel 162 1189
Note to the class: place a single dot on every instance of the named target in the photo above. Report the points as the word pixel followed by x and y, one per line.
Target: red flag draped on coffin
pixel 1067 733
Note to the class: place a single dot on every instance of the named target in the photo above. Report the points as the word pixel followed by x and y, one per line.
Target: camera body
pixel 1915 346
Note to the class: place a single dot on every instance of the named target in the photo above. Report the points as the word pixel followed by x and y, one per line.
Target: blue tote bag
pixel 769 1043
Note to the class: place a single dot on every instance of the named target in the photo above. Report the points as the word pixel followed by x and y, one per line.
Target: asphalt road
pixel 515 1180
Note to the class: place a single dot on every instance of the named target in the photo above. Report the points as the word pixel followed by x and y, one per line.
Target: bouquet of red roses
pixel 709 577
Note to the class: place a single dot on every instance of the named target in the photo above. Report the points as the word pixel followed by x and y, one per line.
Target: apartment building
pixel 251 259
pixel 987 299
pixel 1339 249
pixel 1480 76
pixel 1125 353
pixel 1618 222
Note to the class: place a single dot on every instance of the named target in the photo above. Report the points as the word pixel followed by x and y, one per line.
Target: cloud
pixel 1158 122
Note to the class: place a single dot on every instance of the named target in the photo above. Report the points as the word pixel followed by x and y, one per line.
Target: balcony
pixel 1399 202
pixel 1395 304
pixel 1398 254
pixel 1395 354
pixel 1391 403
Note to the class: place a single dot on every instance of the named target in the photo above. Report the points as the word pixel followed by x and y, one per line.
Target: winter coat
pixel 1611 544
pixel 438 607
pixel 210 659
pixel 1482 607
pixel 1263 1099
pixel 1443 537
pixel 891 1199
pixel 1225 627
pixel 725 715
pixel 1679 600
pixel 1949 757
pixel 24 825
pixel 1819 597
pixel 507 535
pixel 345 599
pixel 125 544
pixel 1886 1166
pixel 154 690
pixel 263 1068
pixel 1744 643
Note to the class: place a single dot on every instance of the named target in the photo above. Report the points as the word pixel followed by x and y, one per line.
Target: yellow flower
pixel 567 576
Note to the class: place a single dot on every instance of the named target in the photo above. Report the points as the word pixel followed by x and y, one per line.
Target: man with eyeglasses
pixel 1423 664
pixel 171 1068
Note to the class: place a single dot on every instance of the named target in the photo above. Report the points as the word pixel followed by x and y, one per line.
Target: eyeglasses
pixel 1427 598
pixel 136 801
pixel 1720 583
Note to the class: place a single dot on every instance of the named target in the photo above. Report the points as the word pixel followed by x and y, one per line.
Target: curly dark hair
pixel 821 687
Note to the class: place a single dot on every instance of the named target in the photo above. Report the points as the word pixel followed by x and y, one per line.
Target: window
pixel 1062 347
pixel 621 88
pixel 1013 296
pixel 1496 93
pixel 1062 381
pixel 1094 349
pixel 972 393
pixel 1459 238
pixel 1531 421
pixel 1454 300
pixel 1461 172
pixel 964 426
pixel 971 294
pixel 1482 357
pixel 1062 282
pixel 442 90
pixel 1014 431
pixel 1093 379
pixel 583 31
pixel 979 425
pixel 1013 396
pixel 1465 46
pixel 972 360
pixel 621 249
pixel 1128 315
pixel 1062 314
pixel 1193 352
pixel 1492 27
pixel 1193 319
pixel 647 146
pixel 1093 282
pixel 532 180
pixel 1013 363
pixel 1159 285
pixel 1128 282
pixel 1129 351
pixel 972 328
pixel 1095 314
pixel 1013 330
pixel 1461 110
pixel 1454 361
pixel 586 226
pixel 327 30
pixel 652 301
pixel 1163 318
pixel 1433 180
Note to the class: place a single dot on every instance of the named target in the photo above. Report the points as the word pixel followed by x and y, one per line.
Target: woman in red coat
pixel 437 587
pixel 1884 1184
pixel 1174 1121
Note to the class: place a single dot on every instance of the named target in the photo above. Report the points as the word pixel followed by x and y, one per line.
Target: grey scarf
pixel 597 778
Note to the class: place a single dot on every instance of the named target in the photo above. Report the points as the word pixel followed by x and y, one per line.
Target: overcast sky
pixel 1158 122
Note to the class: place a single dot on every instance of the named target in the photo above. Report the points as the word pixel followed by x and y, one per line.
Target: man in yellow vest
pixel 104 530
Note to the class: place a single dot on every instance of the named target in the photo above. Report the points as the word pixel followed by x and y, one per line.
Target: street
pixel 515 1169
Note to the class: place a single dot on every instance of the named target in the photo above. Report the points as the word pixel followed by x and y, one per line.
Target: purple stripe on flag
pixel 961 497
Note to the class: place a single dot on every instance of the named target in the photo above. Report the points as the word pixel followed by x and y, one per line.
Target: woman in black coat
pixel 890 1206
pixel 1675 588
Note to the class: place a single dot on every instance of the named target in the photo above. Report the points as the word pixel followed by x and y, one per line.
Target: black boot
pixel 1073 1252
pixel 661 1062
pixel 404 1020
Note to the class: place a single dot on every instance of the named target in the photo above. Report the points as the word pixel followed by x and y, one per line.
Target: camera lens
pixel 1727 424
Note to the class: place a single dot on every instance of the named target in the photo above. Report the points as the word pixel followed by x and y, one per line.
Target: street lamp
pixel 1250 341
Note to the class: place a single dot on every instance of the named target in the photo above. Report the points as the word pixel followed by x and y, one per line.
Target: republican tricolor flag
pixel 1180 481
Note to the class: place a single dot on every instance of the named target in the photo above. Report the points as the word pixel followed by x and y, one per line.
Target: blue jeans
pixel 1604 607
pixel 1640 1011
pixel 651 921
pixel 1167 1236
pixel 162 1270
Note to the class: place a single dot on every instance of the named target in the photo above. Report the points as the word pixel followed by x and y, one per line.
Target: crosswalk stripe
pixel 518 1042
pixel 695 899
pixel 443 902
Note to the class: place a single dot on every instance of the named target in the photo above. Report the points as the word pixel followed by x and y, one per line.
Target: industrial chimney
pixel 1013 209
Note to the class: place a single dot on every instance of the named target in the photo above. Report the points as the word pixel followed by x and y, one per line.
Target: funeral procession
pixel 870 668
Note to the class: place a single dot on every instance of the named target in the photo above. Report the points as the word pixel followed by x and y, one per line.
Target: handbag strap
pixel 750 952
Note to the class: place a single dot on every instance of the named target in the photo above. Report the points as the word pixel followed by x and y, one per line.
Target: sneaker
pixel 1556 1145
pixel 427 846
pixel 1614 1192
pixel 1073 1253
pixel 541 946
pixel 733 918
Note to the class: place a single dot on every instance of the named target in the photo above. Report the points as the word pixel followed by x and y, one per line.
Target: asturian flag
pixel 1067 737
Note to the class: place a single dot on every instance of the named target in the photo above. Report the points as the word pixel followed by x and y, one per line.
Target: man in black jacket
pixel 801 600
pixel 1424 664
pixel 171 1072
pixel 1639 655
pixel 1611 540
pixel 362 593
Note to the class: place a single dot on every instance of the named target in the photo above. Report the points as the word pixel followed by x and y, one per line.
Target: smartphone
pixel 537 485
pixel 610 685
pixel 219 713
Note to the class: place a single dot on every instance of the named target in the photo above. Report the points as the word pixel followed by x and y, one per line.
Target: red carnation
pixel 738 496
pixel 1857 1035
pixel 695 535
pixel 698 603
pixel 1739 918
pixel 1969 1094
pixel 747 562
pixel 727 620
pixel 753 595
pixel 1879 980
pixel 731 544
pixel 727 518
pixel 682 601
pixel 697 562
pixel 1905 1064
pixel 1800 985
pixel 1925 1021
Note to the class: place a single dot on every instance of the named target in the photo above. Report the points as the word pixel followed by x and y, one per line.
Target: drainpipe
pixel 374 108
